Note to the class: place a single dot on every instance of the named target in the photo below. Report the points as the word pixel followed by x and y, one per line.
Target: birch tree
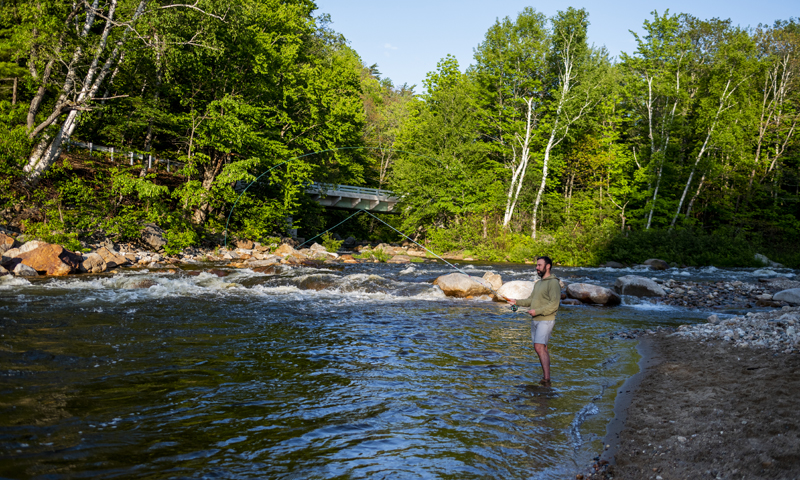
pixel 657 87
pixel 510 74
pixel 75 58
pixel 578 75
pixel 729 64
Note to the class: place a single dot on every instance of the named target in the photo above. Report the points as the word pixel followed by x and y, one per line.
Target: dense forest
pixel 685 148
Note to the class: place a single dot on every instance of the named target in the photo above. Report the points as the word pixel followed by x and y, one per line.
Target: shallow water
pixel 365 372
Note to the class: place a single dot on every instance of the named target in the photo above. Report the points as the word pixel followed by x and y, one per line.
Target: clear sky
pixel 407 38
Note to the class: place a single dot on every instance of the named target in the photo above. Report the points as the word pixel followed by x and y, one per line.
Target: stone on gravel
pixel 285 250
pixel 153 236
pixel 495 280
pixel 245 244
pixel 588 293
pixel 638 286
pixel 23 270
pixel 399 259
pixel 112 258
pixel 461 286
pixel 516 289
pixel 271 260
pixel 3 271
pixel 348 259
pixel 789 296
pixel 93 263
pixel 51 259
pixel 656 264
pixel 7 242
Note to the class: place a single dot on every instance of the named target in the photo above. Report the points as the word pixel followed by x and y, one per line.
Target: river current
pixel 367 371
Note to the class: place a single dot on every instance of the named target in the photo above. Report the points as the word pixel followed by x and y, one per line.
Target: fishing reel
pixel 514 308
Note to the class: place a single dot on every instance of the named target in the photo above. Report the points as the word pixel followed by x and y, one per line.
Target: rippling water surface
pixel 365 372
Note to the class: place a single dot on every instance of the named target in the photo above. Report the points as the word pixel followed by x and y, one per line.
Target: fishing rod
pixel 514 308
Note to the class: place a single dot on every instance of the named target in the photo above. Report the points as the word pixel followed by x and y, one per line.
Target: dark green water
pixel 363 373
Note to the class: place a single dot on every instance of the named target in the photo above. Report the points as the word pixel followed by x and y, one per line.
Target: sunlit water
pixel 365 372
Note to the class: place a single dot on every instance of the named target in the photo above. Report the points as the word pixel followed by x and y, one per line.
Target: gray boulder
pixel 153 236
pixel 638 287
pixel 588 293
pixel 516 289
pixel 766 261
pixel 656 264
pixel 613 264
pixel 789 296
pixel 462 286
pixel 23 270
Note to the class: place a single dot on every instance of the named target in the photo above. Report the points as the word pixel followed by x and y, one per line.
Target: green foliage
pixel 330 243
pixel 52 232
pixel 376 254
pixel 684 247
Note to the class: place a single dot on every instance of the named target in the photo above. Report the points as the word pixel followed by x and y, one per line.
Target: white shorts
pixel 541 330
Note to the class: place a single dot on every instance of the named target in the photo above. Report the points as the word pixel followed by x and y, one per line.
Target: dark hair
pixel 547 261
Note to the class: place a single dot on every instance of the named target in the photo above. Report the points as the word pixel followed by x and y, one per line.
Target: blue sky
pixel 406 39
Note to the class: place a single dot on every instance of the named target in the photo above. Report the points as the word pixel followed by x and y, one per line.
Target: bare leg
pixel 544 358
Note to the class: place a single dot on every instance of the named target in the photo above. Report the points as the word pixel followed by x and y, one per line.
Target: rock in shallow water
pixel 461 286
pixel 638 286
pixel 516 289
pixel 50 259
pixel 790 296
pixel 588 293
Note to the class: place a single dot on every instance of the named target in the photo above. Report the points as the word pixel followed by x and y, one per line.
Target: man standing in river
pixel 544 301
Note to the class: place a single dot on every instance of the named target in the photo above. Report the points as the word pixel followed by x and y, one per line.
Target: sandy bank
pixel 707 410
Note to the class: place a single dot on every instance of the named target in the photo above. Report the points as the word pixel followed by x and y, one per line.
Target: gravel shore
pixel 708 405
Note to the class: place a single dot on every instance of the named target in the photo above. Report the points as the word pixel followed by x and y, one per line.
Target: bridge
pixel 353 198
pixel 326 194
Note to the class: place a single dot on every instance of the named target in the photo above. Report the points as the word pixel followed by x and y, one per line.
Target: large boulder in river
pixel 50 259
pixel 656 264
pixel 588 293
pixel 460 285
pixel 638 287
pixel 495 280
pixel 789 296
pixel 7 243
pixel 516 289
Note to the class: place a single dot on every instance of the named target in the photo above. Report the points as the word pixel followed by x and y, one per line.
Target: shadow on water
pixel 368 372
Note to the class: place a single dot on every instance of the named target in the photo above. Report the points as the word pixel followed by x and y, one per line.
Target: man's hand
pixel 532 313
pixel 511 301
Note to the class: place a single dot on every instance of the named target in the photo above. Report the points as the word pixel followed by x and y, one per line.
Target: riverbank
pixel 703 407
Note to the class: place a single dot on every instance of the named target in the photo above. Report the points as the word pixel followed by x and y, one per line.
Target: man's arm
pixel 526 302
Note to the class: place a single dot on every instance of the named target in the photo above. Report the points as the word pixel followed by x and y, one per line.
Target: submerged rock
pixel 638 286
pixel 588 293
pixel 461 286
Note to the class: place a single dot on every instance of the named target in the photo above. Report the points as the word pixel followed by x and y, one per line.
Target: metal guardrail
pixel 330 187
pixel 129 154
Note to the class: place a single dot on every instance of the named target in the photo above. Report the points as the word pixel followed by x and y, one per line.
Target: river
pixel 362 372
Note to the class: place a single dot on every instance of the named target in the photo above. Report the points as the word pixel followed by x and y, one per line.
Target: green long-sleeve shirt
pixel 545 299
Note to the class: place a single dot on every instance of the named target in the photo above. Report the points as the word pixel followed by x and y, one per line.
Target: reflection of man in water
pixel 544 301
